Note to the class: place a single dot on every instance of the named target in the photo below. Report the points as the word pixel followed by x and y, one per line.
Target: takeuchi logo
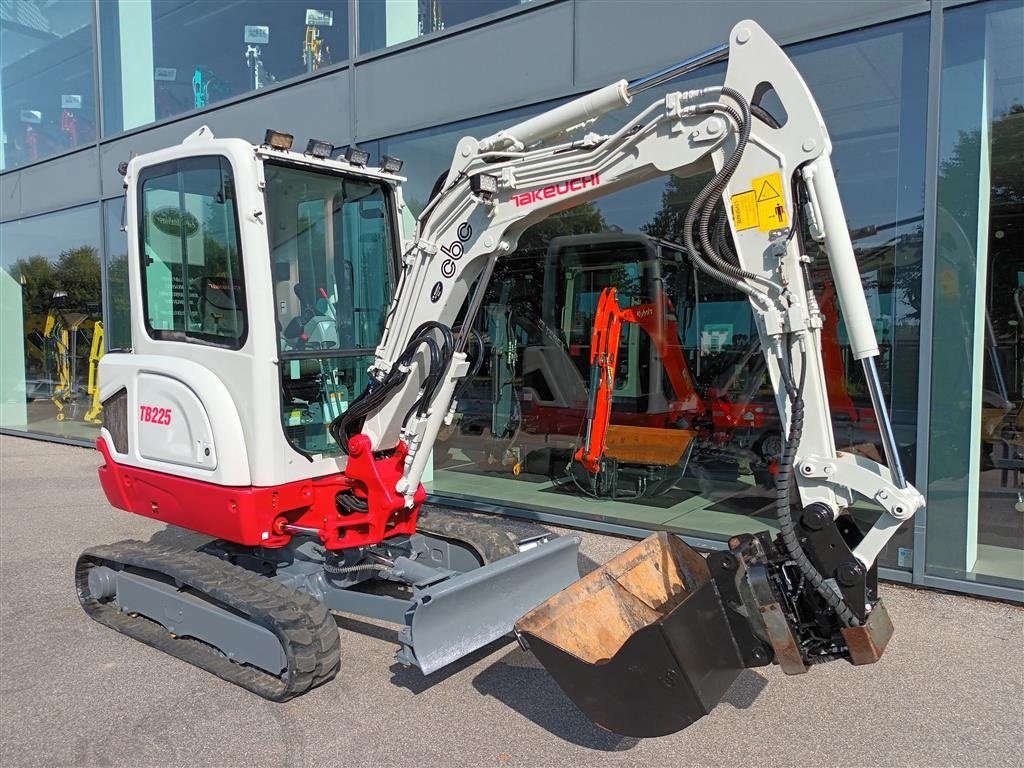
pixel 556 190
pixel 174 221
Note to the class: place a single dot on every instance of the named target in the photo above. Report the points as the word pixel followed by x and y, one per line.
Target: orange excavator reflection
pixel 649 445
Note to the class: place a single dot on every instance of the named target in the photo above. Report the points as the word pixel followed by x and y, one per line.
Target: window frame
pixel 187 337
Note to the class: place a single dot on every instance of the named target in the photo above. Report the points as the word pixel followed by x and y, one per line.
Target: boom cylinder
pixel 555 121
pixel 710 56
pixel 822 181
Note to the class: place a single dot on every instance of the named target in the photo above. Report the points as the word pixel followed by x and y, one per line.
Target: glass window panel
pixel 523 417
pixel 47 98
pixel 192 288
pixel 332 259
pixel 165 57
pixel 976 453
pixel 384 23
pixel 49 319
pixel 118 327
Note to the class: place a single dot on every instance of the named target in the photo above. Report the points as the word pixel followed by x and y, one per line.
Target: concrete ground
pixel 949 691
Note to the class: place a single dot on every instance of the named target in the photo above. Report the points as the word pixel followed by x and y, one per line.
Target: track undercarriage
pixel 260 617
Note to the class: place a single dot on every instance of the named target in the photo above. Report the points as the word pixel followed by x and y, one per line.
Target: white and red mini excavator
pixel 295 354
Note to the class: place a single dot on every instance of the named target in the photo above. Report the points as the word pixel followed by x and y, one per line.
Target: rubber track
pixel 306 629
pixel 487 537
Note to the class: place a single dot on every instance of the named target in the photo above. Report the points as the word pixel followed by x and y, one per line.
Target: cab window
pixel 332 263
pixel 191 257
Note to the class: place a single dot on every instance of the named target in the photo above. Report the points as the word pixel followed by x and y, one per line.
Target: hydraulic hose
pixel 712 193
pixel 721 271
pixel 377 393
pixel 340 570
pixel 783 512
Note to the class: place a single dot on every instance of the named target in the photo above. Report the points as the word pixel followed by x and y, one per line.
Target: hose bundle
pixel 716 258
pixel 377 393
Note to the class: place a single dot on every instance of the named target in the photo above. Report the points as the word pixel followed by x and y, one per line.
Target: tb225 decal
pixel 154 415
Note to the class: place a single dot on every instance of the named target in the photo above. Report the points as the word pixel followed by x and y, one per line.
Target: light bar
pixel 319 148
pixel 357 156
pixel 390 164
pixel 278 140
pixel 483 184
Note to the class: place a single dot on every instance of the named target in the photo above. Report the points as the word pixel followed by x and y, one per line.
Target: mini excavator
pixel 245 411
pixel 646 445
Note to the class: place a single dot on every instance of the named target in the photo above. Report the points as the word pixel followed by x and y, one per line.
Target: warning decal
pixel 744 210
pixel 767 191
pixel 771 205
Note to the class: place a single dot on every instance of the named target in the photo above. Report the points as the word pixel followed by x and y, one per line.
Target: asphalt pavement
pixel 948 692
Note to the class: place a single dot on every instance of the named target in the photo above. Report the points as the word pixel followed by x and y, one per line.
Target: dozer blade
pixel 642 645
pixel 451 618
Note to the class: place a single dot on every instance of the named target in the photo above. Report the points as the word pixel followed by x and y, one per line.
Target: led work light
pixel 357 156
pixel 483 184
pixel 278 140
pixel 319 148
pixel 390 164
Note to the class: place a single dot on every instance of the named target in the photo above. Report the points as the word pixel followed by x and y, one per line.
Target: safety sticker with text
pixel 744 210
pixel 763 206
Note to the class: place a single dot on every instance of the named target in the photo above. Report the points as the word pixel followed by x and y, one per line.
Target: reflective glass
pixel 192 287
pixel 47 97
pixel 690 387
pixel 165 57
pixel 976 456
pixel 50 325
pixel 383 23
pixel 115 288
pixel 331 255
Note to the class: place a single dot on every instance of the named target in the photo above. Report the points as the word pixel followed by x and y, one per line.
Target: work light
pixel 319 148
pixel 278 140
pixel 357 156
pixel 483 184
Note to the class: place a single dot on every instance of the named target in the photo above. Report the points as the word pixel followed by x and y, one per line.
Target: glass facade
pixel 165 57
pixel 47 91
pixel 51 325
pixel 383 23
pixel 690 384
pixel 975 491
pixel 694 436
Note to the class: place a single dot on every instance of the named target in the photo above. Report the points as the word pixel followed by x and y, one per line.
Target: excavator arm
pixel 500 185
pixel 604 358
pixel 806 596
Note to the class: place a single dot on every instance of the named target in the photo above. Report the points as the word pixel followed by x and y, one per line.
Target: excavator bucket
pixel 642 645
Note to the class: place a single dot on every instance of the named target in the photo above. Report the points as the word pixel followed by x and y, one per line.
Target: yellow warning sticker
pixel 771 204
pixel 744 210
